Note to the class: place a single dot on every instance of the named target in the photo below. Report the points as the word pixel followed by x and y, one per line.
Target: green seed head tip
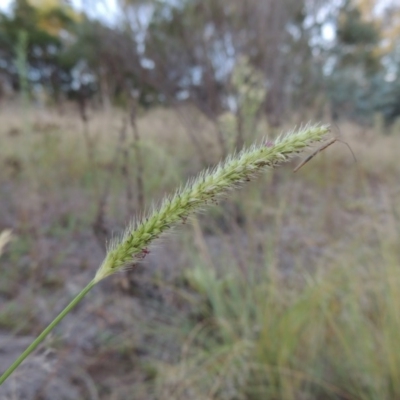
pixel 212 183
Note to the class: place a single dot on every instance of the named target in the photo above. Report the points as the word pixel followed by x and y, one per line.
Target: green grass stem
pixel 43 335
pixel 208 186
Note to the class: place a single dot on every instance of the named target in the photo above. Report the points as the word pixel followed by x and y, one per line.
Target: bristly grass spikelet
pixel 209 185
pixel 192 197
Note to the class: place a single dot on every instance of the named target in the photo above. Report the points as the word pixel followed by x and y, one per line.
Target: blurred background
pixel 288 289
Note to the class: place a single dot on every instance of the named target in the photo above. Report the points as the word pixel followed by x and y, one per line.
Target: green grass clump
pixel 331 334
pixel 193 197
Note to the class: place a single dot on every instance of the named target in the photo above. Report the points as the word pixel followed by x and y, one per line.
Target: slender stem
pixel 41 337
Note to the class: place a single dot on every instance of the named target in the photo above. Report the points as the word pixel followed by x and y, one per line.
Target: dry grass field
pixel 289 289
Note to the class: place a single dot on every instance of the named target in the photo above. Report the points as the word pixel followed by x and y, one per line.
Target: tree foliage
pixel 187 50
pixel 43 48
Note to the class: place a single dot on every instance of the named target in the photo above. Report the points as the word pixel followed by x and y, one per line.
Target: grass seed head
pixel 207 187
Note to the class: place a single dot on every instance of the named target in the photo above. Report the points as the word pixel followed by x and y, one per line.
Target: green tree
pixel 356 63
pixel 44 44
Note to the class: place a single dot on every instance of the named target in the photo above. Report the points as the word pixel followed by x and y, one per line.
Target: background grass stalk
pixel 209 185
pixel 43 335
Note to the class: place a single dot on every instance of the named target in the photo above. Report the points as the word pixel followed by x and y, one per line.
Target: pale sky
pixel 4 4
